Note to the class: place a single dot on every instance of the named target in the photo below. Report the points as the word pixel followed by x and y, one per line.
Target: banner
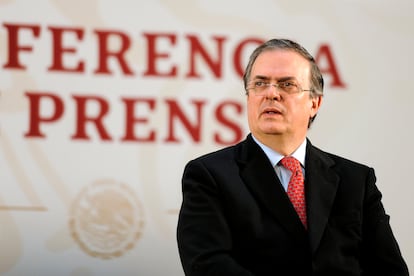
pixel 102 104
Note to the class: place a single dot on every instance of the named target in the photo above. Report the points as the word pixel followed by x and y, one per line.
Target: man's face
pixel 275 112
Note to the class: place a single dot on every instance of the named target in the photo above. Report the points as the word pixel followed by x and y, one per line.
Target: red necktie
pixel 296 187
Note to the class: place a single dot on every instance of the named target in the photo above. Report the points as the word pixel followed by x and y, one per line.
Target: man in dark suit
pixel 239 215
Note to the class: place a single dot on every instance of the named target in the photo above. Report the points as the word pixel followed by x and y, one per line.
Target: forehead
pixel 281 63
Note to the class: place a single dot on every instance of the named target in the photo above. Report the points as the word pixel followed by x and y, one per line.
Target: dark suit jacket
pixel 236 218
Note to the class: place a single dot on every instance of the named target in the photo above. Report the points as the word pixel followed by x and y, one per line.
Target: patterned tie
pixel 296 187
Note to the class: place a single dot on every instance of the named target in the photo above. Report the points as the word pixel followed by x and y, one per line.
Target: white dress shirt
pixel 275 157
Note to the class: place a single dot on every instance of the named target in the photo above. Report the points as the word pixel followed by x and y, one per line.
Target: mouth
pixel 271 111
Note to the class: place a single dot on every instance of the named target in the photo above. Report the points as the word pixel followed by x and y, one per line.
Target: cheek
pixel 309 108
pixel 302 109
pixel 252 108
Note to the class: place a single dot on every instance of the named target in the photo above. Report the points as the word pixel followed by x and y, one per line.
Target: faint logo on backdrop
pixel 106 219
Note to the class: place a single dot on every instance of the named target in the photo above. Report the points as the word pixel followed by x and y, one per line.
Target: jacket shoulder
pixel 227 153
pixel 338 160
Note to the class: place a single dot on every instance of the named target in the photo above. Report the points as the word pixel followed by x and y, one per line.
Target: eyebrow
pixel 282 79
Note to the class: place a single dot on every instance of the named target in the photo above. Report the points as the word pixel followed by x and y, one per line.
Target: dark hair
pixel 316 78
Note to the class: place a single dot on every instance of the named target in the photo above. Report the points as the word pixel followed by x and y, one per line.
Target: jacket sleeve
pixel 203 235
pixel 381 253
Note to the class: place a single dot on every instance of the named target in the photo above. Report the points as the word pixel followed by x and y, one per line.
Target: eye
pixel 260 84
pixel 287 84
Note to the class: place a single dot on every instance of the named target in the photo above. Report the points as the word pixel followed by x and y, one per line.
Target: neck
pixel 281 144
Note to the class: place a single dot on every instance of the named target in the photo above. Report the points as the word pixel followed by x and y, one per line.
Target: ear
pixel 315 105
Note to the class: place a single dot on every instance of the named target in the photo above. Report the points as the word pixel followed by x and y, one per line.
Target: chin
pixel 272 131
pixel 272 127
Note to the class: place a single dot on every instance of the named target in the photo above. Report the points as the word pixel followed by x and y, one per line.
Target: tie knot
pixel 291 163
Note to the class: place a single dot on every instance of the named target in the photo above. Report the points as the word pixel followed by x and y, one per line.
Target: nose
pixel 272 93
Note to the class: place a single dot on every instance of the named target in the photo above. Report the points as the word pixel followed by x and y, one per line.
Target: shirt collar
pixel 275 157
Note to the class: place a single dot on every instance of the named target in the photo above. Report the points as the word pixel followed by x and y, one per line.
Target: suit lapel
pixel 321 183
pixel 260 177
pixel 321 186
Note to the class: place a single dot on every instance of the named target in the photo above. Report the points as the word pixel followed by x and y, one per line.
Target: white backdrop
pixel 93 145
